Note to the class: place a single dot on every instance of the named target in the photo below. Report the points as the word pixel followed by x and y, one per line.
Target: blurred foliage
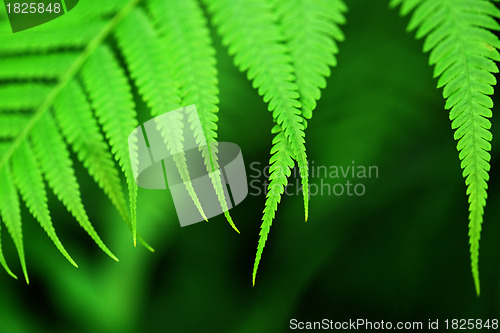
pixel 397 253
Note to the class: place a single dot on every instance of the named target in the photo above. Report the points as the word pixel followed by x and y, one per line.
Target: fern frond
pixel 113 103
pixel 253 35
pixel 145 57
pixel 281 164
pixel 464 51
pixel 10 211
pixel 53 156
pixel 184 30
pixel 256 42
pixel 29 181
pixel 37 68
pixel 46 66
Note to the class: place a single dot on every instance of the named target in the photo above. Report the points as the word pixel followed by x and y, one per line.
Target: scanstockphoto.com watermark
pixel 324 180
pixel 407 326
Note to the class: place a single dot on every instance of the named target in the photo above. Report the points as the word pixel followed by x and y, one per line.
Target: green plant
pixel 464 51
pixel 287 48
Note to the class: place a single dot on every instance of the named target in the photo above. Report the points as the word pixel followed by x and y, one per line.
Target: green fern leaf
pixel 113 103
pixel 184 31
pixel 309 31
pixel 256 41
pixel 10 212
pixel 145 57
pixel 37 68
pixel 53 156
pixel 29 181
pixel 281 164
pixel 463 51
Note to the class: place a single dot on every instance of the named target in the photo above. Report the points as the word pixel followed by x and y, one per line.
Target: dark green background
pixel 398 253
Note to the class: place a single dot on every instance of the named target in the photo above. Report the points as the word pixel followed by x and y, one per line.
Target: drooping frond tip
pixel 463 51
pixel 280 169
pixel 287 49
